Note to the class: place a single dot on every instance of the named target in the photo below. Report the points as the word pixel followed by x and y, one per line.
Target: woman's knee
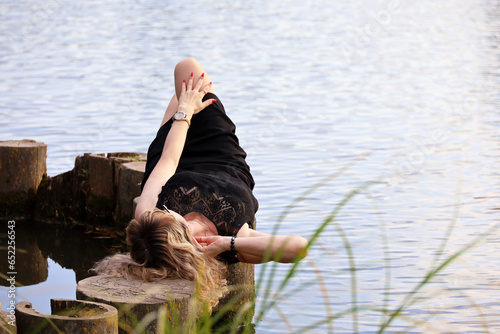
pixel 183 71
pixel 186 65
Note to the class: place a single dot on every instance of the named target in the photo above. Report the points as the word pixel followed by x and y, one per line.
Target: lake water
pixel 404 92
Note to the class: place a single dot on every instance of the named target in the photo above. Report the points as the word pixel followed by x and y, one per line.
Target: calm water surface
pixel 406 91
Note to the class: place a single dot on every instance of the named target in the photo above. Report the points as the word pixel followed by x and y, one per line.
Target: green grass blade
pixel 431 274
pixel 352 270
pixel 313 239
pixel 387 259
pixel 281 218
pixel 449 230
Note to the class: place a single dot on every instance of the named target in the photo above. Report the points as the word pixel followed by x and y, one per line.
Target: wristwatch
pixel 181 116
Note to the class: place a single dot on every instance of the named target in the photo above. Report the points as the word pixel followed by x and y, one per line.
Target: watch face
pixel 179 115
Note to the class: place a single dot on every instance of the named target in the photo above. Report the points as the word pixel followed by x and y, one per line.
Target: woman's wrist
pixel 183 116
pixel 227 243
pixel 186 109
pixel 182 121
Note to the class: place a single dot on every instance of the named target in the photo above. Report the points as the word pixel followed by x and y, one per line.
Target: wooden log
pixel 103 181
pixel 101 193
pixel 22 167
pixel 68 316
pixel 135 299
pixel 63 197
pixel 241 295
pixel 89 192
pixel 6 321
pixel 130 175
pixel 128 156
pixel 119 158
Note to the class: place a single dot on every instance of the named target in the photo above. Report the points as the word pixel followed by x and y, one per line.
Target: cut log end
pixel 22 168
pixel 68 316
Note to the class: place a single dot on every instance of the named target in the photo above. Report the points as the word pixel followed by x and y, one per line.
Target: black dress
pixel 212 176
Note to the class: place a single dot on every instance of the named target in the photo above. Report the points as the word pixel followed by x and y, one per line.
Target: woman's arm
pixel 164 169
pixel 258 247
pixel 190 102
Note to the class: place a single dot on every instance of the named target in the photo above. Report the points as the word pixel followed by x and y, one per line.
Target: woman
pixel 196 210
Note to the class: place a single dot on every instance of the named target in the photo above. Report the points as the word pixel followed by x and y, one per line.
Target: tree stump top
pixel 20 143
pixel 139 166
pixel 135 291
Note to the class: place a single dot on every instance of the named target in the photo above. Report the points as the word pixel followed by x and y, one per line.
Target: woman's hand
pixel 190 100
pixel 213 245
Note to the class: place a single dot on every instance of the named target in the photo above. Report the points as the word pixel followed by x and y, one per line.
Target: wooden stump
pixel 22 167
pixel 239 302
pixel 130 176
pixel 68 316
pixel 62 198
pixel 241 295
pixel 240 279
pixel 6 319
pixel 107 190
pixel 101 192
pixel 137 300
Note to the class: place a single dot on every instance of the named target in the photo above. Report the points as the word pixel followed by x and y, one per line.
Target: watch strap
pixel 183 118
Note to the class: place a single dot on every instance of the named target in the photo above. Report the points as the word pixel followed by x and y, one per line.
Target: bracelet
pixel 232 243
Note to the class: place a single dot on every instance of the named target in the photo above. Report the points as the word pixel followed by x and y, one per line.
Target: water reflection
pixel 31 264
pixel 78 249
pixel 71 251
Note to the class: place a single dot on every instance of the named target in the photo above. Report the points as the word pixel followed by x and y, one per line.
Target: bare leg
pixel 182 72
pixel 184 69
pixel 171 109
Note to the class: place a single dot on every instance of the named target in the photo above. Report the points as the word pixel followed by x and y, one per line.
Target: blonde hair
pixel 162 247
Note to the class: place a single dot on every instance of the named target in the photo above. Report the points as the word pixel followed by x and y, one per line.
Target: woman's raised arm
pixel 190 102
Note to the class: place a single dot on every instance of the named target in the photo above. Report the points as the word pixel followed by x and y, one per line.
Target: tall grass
pixel 270 299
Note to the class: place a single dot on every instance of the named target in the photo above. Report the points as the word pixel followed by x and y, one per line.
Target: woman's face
pixel 190 227
pixel 183 221
pixel 177 216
